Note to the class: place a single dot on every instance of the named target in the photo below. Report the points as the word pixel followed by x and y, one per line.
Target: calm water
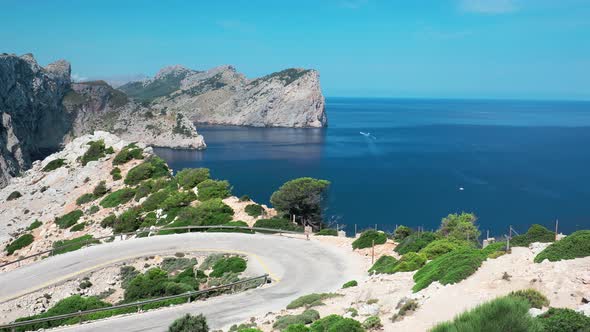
pixel 518 162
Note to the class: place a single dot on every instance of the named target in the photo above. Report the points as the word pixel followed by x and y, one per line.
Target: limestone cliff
pixel 289 98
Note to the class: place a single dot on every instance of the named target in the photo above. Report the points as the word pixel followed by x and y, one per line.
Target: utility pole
pixel 556 225
pixel 508 239
pixel 355 230
pixel 373 253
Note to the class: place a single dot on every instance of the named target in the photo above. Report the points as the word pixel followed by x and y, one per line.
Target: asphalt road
pixel 297 267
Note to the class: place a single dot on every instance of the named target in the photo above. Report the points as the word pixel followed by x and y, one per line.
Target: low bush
pixel 189 323
pixel 310 300
pixel 384 264
pixel 562 320
pixel 372 322
pixel 155 200
pixel 502 314
pixel 442 246
pixel 53 165
pixel 14 195
pixel 209 189
pixel 100 189
pixel 173 264
pixel 228 264
pixel 73 244
pixel 575 245
pixel 327 232
pixel 536 233
pixel 533 297
pixel 278 224
pixel 307 317
pixel 401 233
pixel 449 268
pixel 34 225
pixel 21 242
pixel 178 199
pixel 335 323
pixel 189 178
pixel 108 221
pixel 127 274
pixel 92 210
pixel 118 197
pixel 295 328
pixel 116 173
pixel 68 220
pixel 407 306
pixel 367 239
pixel 244 198
pixel 352 283
pixel 493 248
pixel 415 242
pixel 95 151
pixel 128 153
pixel 78 227
pixel 254 210
pixel 86 198
pixel 410 262
pixel 213 212
pixel 128 221
pixel 152 168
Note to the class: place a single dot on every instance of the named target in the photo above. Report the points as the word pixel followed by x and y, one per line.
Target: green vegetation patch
pixel 415 242
pixel 449 268
pixel 439 247
pixel 14 195
pixel 128 221
pixel 575 245
pixel 536 233
pixel 21 242
pixel 502 314
pixel 209 189
pixel 34 225
pixel 68 220
pixel 372 322
pixel 213 212
pixel 189 323
pixel 173 264
pixel 368 238
pixel 153 168
pixel 229 264
pixel 86 198
pixel 352 283
pixel 401 233
pixel 254 210
pixel 335 323
pixel 116 173
pixel 561 320
pixel 118 197
pixel 535 298
pixel 409 262
pixel 384 264
pixel 327 232
pixel 78 227
pixel 307 317
pixel 108 221
pixel 127 154
pixel 156 282
pixel 96 150
pixel 100 189
pixel 189 178
pixel 53 165
pixel 311 300
pixel 73 244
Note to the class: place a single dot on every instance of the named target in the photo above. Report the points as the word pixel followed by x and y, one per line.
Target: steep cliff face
pixel 289 98
pixel 32 118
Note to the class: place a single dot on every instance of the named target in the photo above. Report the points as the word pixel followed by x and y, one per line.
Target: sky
pixel 507 49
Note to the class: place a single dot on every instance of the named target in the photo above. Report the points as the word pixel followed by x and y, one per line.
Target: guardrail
pixel 138 304
pixel 154 230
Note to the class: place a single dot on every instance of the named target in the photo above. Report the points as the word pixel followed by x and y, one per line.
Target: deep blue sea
pixel 518 162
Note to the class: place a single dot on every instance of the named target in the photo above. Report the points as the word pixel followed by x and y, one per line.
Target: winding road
pixel 296 266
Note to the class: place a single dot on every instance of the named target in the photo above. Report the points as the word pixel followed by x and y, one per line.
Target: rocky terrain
pixel 289 98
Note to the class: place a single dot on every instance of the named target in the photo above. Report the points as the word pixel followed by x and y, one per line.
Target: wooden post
pixel 556 226
pixel 373 253
pixel 355 230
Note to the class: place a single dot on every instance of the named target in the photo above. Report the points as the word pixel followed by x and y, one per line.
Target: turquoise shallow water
pixel 518 162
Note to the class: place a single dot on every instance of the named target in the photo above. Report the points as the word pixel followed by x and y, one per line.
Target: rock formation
pixel 289 98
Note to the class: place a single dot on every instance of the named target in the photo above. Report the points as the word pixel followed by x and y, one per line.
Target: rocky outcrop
pixel 32 118
pixel 289 98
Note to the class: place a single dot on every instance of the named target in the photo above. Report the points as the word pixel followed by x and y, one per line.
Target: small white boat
pixel 365 134
pixel 461 188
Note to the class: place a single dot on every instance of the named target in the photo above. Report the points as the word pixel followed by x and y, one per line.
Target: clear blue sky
pixel 536 49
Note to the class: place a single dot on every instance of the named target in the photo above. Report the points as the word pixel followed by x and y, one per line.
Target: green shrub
pixel 173 264
pixel 14 195
pixel 352 283
pixel 118 197
pixel 460 227
pixel 95 151
pixel 401 233
pixel 442 246
pixel 310 300
pixel 152 168
pixel 415 242
pixel 409 305
pixel 21 242
pixel 384 264
pixel 254 210
pixel 494 247
pixel 189 178
pixel 449 268
pixel 116 173
pixel 573 246
pixel 213 212
pixel 128 221
pixel 372 322
pixel 501 314
pixel 178 199
pixel 335 323
pixel 155 200
pixel 78 227
pixel 307 317
pixel 367 239
pixel 128 153
pixel 100 189
pixel 533 297
pixel 36 224
pixel 188 323
pixel 86 198
pixel 410 262
pixel 279 224
pixel 147 285
pixel 127 274
pixel 73 244
pixel 92 210
pixel 295 328
pixel 53 165
pixel 109 150
pixel 564 320
pixel 108 221
pixel 68 220
pixel 244 198
pixel 327 232
pixel 536 233
pixel 209 189
pixel 229 264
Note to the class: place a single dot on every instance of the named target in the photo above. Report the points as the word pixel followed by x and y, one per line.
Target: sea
pixel 414 161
